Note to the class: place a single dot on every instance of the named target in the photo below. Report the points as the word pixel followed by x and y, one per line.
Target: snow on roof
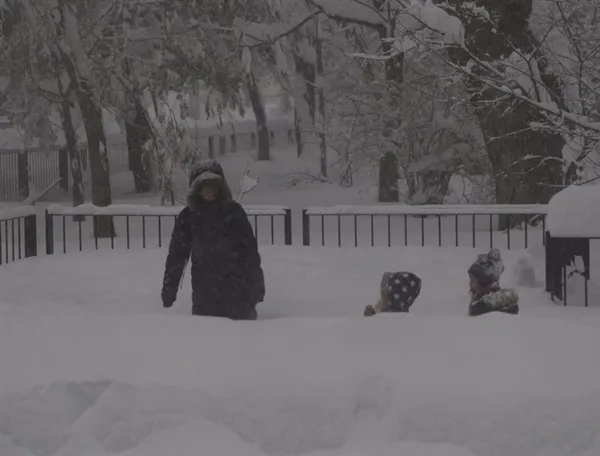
pixel 575 212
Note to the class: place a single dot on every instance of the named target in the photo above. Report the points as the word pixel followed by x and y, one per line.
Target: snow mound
pixel 361 416
pixel 575 212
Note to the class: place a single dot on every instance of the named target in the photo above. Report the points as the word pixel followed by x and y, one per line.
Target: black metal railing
pixel 18 234
pixel 145 226
pixel 567 259
pixel 69 229
pixel 455 225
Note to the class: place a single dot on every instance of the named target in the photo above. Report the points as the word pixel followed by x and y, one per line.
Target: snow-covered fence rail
pixel 18 234
pixel 146 226
pixel 443 225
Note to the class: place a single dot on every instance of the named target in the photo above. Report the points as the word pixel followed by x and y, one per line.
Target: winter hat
pixel 487 268
pixel 403 290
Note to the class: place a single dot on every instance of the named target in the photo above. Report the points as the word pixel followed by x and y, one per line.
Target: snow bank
pixel 98 368
pixel 146 210
pixel 446 209
pixel 16 212
pixel 575 212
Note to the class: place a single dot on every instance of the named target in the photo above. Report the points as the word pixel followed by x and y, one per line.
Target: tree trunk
pixel 322 137
pixel 428 187
pixel 97 150
pixel 526 163
pixel 321 95
pixel 10 17
pixel 23 173
pixel 74 154
pixel 388 178
pixel 298 133
pixel 308 73
pixel 388 163
pixel 98 155
pixel 264 143
pixel 139 132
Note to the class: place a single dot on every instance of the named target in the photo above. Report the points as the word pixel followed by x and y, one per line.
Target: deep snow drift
pixel 91 365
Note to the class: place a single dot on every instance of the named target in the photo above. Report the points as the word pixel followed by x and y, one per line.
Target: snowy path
pixel 91 365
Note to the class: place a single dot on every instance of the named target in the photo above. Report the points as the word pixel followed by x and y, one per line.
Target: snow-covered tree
pixel 49 59
pixel 271 47
pixel 526 117
pixel 25 93
pixel 536 134
pixel 391 20
pixel 152 50
pixel 440 135
pixel 569 31
pixel 72 22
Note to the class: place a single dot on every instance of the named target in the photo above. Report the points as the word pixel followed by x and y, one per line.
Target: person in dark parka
pixel 227 277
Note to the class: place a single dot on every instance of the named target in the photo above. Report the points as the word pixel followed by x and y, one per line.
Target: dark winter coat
pixel 227 278
pixel 497 300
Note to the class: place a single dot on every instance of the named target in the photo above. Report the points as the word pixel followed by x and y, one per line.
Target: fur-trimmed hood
pixel 200 174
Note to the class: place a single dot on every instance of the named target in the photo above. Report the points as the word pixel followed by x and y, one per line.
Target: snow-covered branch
pixel 267 39
pixel 358 12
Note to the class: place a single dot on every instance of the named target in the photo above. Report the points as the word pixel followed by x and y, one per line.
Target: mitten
pixel 369 311
pixel 167 300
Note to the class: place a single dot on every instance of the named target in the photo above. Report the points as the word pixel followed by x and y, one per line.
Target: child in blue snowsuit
pixel 398 292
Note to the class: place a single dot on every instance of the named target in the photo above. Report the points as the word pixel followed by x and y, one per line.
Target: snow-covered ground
pixel 92 365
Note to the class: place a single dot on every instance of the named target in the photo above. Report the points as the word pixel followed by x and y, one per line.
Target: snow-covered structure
pixel 575 212
pixel 573 221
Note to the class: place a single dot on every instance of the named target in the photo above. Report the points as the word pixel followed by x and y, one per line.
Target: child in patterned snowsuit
pixel 398 292
pixel 484 287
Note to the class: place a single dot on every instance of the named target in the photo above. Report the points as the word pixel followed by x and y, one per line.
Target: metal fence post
pixel 30 234
pixel 222 145
pixel 49 233
pixel 305 227
pixel 550 266
pixel 211 147
pixel 287 227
